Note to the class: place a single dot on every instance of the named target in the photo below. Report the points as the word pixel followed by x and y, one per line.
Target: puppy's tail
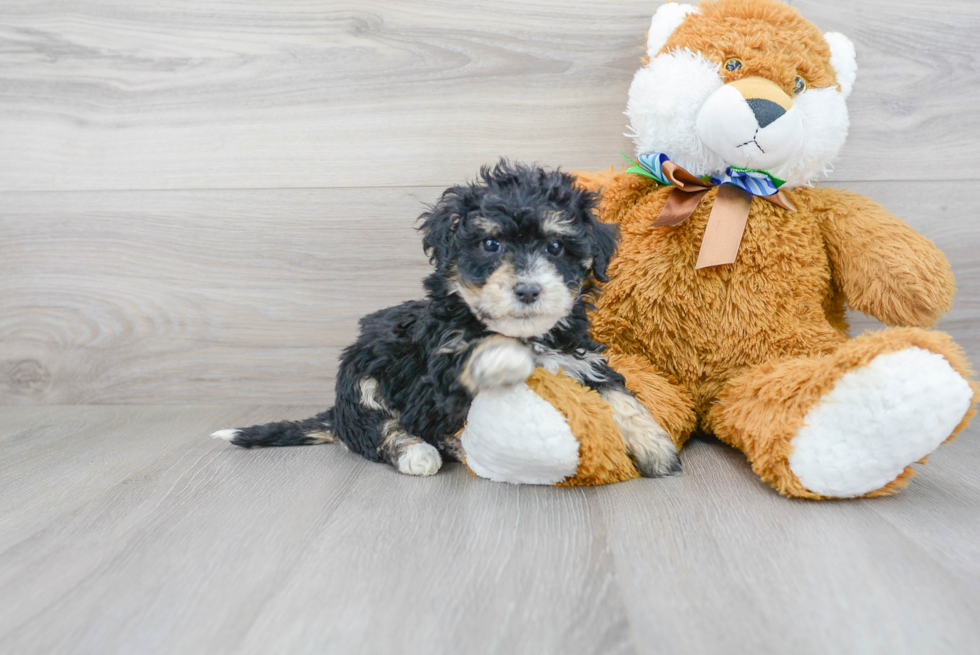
pixel 318 429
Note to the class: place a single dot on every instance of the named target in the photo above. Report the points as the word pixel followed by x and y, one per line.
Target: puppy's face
pixel 520 269
pixel 519 247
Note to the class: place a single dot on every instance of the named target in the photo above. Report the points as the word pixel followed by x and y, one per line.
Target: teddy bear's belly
pixel 703 327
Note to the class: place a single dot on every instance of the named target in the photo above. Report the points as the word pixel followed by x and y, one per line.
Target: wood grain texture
pixel 799 576
pixel 249 296
pixel 219 294
pixel 125 529
pixel 125 94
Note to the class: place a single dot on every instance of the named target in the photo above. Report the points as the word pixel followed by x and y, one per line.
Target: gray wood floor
pixel 126 530
pixel 198 200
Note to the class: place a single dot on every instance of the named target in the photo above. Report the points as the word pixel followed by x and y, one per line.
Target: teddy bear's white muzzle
pixel 748 128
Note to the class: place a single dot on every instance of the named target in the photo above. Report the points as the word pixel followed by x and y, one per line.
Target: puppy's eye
pixel 733 64
pixel 491 245
pixel 799 85
pixel 554 248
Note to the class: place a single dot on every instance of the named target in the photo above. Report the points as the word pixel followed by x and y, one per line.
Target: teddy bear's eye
pixel 799 85
pixel 733 64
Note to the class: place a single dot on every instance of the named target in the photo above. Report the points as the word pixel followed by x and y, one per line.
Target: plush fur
pixel 554 431
pixel 755 351
pixel 864 431
pixel 514 435
pixel 681 101
pixel 516 256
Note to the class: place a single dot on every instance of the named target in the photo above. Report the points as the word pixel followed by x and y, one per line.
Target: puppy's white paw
pixel 227 435
pixel 497 362
pixel 419 459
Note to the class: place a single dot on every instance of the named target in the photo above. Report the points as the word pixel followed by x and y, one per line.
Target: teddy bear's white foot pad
pixel 513 435
pixel 877 420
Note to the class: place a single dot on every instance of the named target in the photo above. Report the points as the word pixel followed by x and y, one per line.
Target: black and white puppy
pixel 516 255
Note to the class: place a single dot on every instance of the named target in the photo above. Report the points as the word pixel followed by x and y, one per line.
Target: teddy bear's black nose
pixel 766 111
pixel 527 293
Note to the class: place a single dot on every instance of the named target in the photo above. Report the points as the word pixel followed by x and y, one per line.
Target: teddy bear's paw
pixel 419 459
pixel 497 362
pixel 649 446
pixel 876 421
pixel 514 435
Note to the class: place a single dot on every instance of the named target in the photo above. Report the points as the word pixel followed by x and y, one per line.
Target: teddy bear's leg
pixel 849 423
pixel 668 403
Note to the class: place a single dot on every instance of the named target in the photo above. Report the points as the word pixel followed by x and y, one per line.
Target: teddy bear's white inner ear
pixel 666 19
pixel 843 59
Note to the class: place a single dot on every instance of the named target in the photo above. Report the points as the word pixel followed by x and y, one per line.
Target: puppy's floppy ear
pixel 604 240
pixel 604 237
pixel 439 226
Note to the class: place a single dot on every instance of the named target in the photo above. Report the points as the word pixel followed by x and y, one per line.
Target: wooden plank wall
pixel 198 199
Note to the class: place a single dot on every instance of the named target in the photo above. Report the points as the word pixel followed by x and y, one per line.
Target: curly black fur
pixel 404 369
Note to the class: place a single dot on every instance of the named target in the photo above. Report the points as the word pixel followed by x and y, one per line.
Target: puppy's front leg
pixel 496 361
pixel 651 448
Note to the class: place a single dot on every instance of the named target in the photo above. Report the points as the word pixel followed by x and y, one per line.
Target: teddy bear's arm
pixel 884 267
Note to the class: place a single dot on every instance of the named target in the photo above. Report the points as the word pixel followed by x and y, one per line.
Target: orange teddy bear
pixel 725 308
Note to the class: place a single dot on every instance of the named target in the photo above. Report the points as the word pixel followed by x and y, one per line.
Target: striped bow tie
pixel 726 223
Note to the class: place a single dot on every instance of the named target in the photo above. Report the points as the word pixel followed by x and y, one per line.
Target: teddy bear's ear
pixel 843 59
pixel 667 19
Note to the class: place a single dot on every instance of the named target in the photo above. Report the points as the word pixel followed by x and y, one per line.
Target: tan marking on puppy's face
pixel 496 303
pixel 557 223
pixel 490 228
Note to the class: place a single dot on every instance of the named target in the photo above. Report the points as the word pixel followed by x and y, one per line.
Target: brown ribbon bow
pixel 726 223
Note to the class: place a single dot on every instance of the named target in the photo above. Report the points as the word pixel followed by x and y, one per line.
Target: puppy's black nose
pixel 766 112
pixel 527 293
